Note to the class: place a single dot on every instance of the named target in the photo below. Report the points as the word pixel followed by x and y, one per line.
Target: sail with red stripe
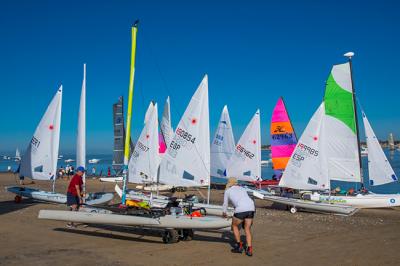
pixel 283 138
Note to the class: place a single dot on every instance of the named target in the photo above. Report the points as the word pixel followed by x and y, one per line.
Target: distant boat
pixel 364 151
pixel 266 162
pixel 69 160
pixel 17 155
pixel 94 161
pixel 391 142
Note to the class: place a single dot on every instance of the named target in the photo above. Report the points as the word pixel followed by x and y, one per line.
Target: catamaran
pixel 330 149
pixel 283 141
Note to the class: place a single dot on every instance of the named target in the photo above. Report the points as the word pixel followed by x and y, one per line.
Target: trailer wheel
pixel 17 199
pixel 187 234
pixel 293 210
pixel 170 236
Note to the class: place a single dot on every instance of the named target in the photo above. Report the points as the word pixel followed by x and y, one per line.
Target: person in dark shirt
pixel 74 192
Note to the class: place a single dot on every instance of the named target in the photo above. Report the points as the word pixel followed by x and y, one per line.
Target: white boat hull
pixel 313 206
pixel 365 201
pixel 48 196
pixel 154 188
pixel 167 221
pixel 115 179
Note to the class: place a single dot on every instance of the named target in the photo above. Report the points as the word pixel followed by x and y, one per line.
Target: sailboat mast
pixel 129 111
pixel 350 55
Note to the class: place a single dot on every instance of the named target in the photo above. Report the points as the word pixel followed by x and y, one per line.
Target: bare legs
pixel 247 230
pixel 248 222
pixel 235 228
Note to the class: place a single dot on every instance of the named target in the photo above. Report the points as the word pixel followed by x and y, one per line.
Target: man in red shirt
pixel 74 192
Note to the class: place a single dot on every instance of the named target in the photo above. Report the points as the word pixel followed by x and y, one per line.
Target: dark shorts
pixel 72 199
pixel 21 177
pixel 244 215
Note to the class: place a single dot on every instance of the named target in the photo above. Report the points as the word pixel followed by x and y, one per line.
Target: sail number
pixel 308 149
pixel 35 142
pixel 142 146
pixel 185 135
pixel 242 150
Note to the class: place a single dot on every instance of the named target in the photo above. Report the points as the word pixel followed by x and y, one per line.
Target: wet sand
pixel 370 237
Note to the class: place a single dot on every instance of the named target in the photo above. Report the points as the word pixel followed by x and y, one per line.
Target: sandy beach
pixel 370 237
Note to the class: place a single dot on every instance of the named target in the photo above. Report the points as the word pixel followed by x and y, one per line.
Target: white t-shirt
pixel 239 199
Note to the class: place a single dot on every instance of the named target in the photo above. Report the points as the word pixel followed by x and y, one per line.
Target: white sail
pixel 40 159
pixel 391 142
pixel 81 136
pixel 148 112
pixel 17 155
pixel 222 146
pixel 245 163
pixel 187 160
pixel 340 127
pixel 144 162
pixel 306 167
pixel 379 169
pixel 166 127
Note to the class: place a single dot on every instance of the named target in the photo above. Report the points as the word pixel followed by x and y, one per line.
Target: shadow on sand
pixel 11 206
pixel 140 233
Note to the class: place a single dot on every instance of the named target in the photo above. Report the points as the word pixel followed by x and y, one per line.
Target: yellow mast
pixel 129 111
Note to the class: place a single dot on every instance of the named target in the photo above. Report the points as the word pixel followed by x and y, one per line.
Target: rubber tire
pixel 293 210
pixel 187 234
pixel 17 199
pixel 170 236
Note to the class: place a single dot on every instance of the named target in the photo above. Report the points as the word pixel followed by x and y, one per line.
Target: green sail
pixel 339 100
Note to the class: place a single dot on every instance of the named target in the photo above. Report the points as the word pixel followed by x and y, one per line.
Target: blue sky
pixel 253 52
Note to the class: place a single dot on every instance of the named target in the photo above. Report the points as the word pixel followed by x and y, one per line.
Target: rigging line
pixel 157 66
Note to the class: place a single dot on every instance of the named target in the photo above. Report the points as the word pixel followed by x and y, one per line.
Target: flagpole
pixel 129 111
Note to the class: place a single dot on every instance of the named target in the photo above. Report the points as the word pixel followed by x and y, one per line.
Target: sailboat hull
pixel 365 201
pixel 167 221
pixel 53 197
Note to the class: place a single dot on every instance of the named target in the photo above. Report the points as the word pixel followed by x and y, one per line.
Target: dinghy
pixel 40 159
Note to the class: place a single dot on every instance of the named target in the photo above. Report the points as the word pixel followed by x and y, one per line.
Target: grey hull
pixel 53 197
pixel 313 206
pixel 168 221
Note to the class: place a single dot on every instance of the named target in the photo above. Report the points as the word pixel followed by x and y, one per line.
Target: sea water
pixel 101 168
